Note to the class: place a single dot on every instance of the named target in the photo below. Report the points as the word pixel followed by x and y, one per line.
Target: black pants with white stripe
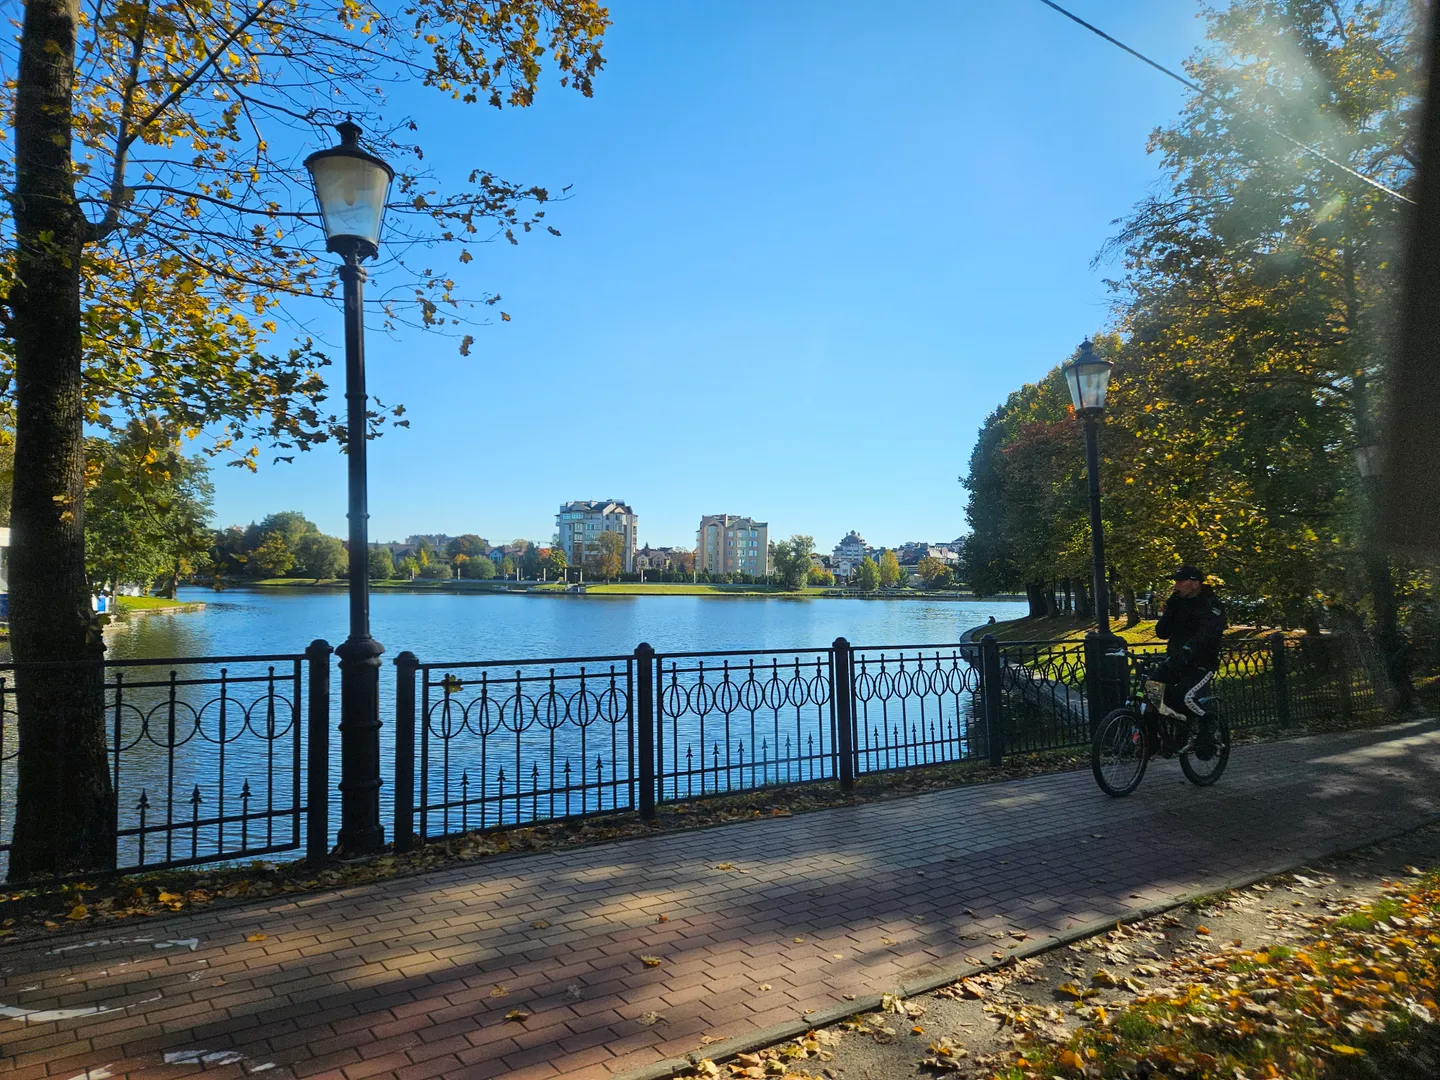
pixel 1185 686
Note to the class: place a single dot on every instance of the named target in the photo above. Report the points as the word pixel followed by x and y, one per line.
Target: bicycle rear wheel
pixel 1119 753
pixel 1203 765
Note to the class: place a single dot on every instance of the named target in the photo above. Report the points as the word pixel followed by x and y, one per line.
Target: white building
pixel 579 524
pixel 849 554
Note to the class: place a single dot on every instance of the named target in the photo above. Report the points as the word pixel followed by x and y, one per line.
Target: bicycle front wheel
pixel 1119 753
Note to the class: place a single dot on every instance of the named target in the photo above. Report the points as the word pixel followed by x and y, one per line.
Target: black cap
pixel 1188 573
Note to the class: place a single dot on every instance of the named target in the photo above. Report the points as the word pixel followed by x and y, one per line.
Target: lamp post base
pixel 1107 675
pixel 360 830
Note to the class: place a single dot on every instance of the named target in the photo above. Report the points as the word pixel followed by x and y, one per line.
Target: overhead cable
pixel 1208 96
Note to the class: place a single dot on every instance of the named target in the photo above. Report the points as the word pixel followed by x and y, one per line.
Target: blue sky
pixel 806 251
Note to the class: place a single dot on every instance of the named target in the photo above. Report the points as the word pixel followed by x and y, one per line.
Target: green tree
pixel 507 567
pixel 437 571
pixel 890 573
pixel 409 567
pixel 867 575
pixel 380 563
pixel 273 558
pixel 319 556
pixel 469 545
pixel 530 561
pixel 819 577
pixel 150 510
pixel 791 560
pixel 935 573
pixel 605 556
pixel 480 568
pixel 556 562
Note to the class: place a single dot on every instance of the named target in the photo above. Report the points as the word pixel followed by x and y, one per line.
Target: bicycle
pixel 1127 738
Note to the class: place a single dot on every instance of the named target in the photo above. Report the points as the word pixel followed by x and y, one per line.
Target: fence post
pixel 645 726
pixel 317 794
pixel 1280 674
pixel 843 691
pixel 406 665
pixel 991 697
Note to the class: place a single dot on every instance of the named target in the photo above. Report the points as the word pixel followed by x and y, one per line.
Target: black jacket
pixel 1196 624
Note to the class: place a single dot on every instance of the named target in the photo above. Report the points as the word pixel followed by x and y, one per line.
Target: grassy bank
pixel 634 588
pixel 622 588
pixel 153 605
pixel 1069 628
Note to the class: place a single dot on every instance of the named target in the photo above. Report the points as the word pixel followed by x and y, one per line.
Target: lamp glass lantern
pixel 351 187
pixel 1088 377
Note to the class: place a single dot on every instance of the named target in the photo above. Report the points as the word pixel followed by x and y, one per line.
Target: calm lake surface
pixel 456 627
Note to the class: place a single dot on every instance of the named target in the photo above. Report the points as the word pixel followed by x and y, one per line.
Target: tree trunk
pixel 1069 596
pixel 1132 612
pixel 64 804
pixel 1034 593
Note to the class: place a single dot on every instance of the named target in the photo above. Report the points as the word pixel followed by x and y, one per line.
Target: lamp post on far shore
pixel 351 187
pixel 1107 671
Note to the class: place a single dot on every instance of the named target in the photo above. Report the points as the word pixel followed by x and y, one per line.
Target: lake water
pixel 457 627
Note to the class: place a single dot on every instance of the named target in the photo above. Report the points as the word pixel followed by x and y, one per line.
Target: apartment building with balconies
pixel 727 544
pixel 579 524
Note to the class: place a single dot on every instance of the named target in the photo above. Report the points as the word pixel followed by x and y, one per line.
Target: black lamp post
pixel 1088 377
pixel 351 187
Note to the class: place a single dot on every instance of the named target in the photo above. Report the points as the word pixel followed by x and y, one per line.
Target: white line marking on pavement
pixel 99 1072
pixel 45 1016
pixel 216 1057
pixel 190 943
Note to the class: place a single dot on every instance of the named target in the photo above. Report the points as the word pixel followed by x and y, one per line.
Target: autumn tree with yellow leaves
pixel 1255 322
pixel 160 223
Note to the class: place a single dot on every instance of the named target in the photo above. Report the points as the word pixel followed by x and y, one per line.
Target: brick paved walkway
pixel 405 979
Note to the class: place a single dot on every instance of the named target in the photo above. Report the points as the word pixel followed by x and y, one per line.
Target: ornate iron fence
pixel 507 743
pixel 736 721
pixel 224 758
pixel 1044 690
pixel 206 756
pixel 917 706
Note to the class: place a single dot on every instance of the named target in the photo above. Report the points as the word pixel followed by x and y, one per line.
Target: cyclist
pixel 1193 625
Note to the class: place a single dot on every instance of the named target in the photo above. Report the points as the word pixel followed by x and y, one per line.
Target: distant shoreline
pixel 625 589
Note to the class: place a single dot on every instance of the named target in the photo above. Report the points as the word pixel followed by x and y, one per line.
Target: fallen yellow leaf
pixel 517 1016
pixel 78 912
pixel 650 961
pixel 254 937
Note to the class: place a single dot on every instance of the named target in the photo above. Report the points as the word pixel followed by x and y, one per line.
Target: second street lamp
pixel 351 187
pixel 1107 675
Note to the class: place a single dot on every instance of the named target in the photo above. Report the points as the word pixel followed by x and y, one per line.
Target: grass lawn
pixel 1069 628
pixel 150 603
pixel 634 588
